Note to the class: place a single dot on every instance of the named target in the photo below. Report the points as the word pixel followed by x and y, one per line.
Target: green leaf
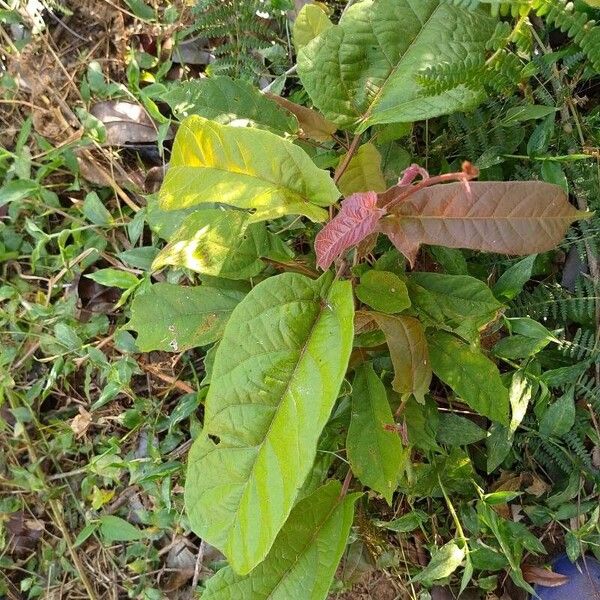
pixel 513 280
pixel 472 376
pixel 455 430
pixel 175 318
pixel 363 173
pixel 458 302
pixel 375 453
pixel 527 112
pixel 422 423
pixel 304 557
pixel 362 72
pixel 498 445
pixel 311 21
pixel 219 243
pixel 114 278
pixel 559 418
pixel 405 523
pixel 276 376
pixel 452 260
pixel 244 167
pixel 228 101
pixel 115 529
pixel 444 561
pixel 18 190
pixel 383 291
pixel 94 210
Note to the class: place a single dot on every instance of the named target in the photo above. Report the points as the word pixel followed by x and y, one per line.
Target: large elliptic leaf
pixel 363 71
pixel 508 217
pixel 472 376
pixel 456 302
pixel 244 167
pixel 226 101
pixel 175 318
pixel 276 376
pixel 304 557
pixel 374 451
pixel 221 243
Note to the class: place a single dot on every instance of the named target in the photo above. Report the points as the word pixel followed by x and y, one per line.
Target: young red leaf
pixel 356 220
pixel 514 217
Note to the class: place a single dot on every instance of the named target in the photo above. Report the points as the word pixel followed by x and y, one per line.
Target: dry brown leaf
pixel 513 217
pixel 125 122
pixel 543 577
pixel 313 125
pixel 81 422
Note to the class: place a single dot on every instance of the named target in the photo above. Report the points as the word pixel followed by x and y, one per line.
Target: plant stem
pixel 346 161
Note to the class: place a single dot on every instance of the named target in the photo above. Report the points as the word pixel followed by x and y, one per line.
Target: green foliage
pixel 458 386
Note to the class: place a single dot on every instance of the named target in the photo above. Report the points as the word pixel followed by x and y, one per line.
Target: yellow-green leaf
pixel 276 376
pixel 244 167
pixel 363 173
pixel 311 21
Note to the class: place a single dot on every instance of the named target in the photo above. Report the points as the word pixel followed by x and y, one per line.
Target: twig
pixel 184 387
pixel 344 164
pixel 198 565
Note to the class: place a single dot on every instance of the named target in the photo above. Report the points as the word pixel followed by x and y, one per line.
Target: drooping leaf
pixel 356 220
pixel 219 243
pixel 375 453
pixel 227 101
pixel 405 338
pixel 313 125
pixel 363 173
pixel 383 291
pixel 363 71
pixel 457 302
pixel 472 376
pixel 244 167
pixel 311 21
pixel 506 217
pixel 317 530
pixel 422 423
pixel 444 561
pixel 175 318
pixel 276 376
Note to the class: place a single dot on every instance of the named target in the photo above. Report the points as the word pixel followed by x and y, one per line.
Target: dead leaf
pixel 125 122
pixel 24 533
pixel 543 577
pixel 513 217
pixel 313 124
pixel 81 422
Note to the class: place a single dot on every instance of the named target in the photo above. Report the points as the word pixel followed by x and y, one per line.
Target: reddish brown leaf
pixel 356 220
pixel 408 349
pixel 543 577
pixel 313 124
pixel 516 217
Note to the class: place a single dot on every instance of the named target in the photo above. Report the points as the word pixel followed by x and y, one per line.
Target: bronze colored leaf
pixel 543 577
pixel 408 349
pixel 313 124
pixel 513 217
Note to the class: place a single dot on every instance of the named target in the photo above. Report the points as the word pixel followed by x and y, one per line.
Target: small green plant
pixel 367 339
